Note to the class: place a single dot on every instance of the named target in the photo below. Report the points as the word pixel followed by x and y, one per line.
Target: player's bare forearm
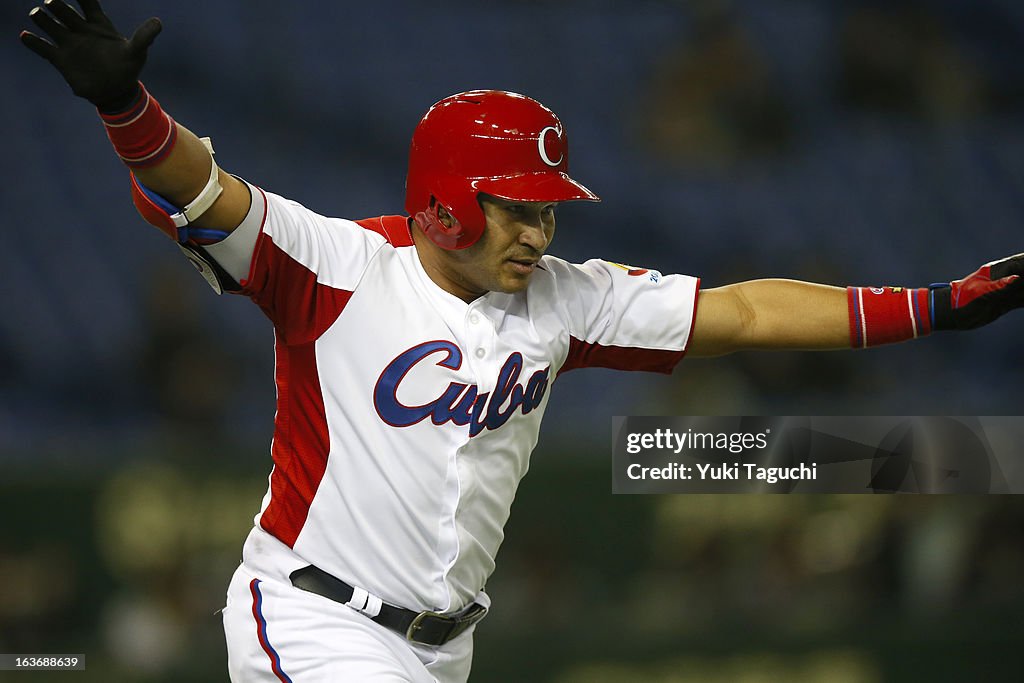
pixel 183 175
pixel 770 314
pixel 788 314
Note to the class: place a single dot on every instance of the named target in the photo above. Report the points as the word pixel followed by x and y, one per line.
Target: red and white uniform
pixel 406 417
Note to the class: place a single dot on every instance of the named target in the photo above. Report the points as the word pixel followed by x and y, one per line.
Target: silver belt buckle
pixel 417 622
pixel 455 624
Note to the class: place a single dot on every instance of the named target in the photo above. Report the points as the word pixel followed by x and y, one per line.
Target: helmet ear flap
pixel 435 229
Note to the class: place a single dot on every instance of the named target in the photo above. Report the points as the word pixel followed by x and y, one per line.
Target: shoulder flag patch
pixel 653 275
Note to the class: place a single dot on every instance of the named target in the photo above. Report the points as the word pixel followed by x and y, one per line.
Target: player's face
pixel 504 258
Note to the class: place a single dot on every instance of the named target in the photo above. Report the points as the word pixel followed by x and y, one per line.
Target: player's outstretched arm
pixel 787 314
pixel 769 314
pixel 103 66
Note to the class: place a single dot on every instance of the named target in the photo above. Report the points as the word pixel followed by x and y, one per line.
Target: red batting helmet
pixel 491 141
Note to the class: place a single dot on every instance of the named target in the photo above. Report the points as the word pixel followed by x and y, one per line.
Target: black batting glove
pixel 97 62
pixel 981 297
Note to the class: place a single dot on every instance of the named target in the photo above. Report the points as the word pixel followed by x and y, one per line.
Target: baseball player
pixel 415 355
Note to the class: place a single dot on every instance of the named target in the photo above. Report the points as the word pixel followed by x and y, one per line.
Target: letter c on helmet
pixel 543 152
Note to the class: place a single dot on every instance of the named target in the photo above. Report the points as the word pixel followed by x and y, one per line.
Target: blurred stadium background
pixel 843 142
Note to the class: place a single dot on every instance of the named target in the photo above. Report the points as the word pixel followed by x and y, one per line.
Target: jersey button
pixel 480 353
pixel 474 318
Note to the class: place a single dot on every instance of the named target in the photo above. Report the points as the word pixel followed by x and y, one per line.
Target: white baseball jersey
pixel 406 416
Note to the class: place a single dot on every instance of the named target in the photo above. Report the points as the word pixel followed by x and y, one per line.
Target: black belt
pixel 428 628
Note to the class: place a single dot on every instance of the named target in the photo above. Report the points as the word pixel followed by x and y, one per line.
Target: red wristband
pixel 143 135
pixel 883 315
